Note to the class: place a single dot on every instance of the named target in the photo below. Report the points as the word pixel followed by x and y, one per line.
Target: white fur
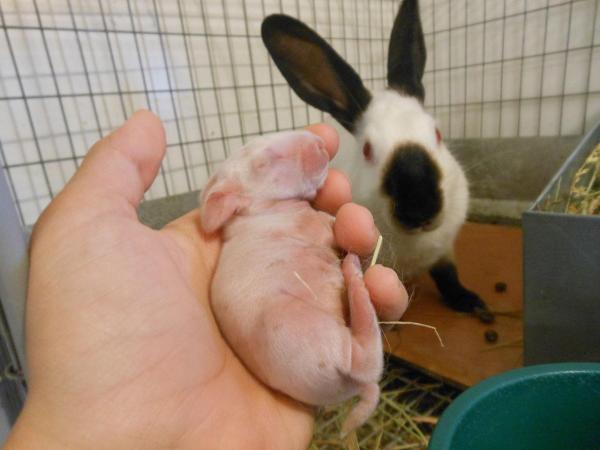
pixel 390 120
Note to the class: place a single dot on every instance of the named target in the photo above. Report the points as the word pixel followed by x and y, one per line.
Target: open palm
pixel 123 350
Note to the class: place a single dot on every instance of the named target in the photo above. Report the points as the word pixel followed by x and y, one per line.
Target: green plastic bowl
pixel 549 406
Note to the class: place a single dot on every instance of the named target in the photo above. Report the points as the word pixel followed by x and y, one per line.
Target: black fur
pixel 412 180
pixel 407 53
pixel 454 294
pixel 314 70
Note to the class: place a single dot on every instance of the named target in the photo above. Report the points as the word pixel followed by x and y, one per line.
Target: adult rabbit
pixel 414 186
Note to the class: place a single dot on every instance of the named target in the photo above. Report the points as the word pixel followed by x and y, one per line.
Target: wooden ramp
pixel 486 255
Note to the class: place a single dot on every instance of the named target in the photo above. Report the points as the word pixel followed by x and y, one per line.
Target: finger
pixel 123 165
pixel 329 135
pixel 388 294
pixel 355 230
pixel 335 192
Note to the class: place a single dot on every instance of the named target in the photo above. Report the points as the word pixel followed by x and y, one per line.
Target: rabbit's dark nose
pixel 412 180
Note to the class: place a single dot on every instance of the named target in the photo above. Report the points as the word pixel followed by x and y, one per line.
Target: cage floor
pixel 486 254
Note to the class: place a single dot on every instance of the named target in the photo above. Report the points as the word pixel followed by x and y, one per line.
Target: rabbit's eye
pixel 368 151
pixel 259 165
pixel 438 135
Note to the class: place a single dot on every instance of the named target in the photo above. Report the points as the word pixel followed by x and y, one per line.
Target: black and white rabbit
pixel 415 188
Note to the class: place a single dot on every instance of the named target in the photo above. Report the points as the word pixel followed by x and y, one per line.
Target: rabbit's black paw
pixel 468 301
pixel 455 295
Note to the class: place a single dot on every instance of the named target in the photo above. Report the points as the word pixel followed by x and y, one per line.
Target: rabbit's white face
pixel 395 133
pixel 391 120
pixel 402 141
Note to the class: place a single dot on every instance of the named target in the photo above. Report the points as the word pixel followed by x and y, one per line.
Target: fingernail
pixel 356 265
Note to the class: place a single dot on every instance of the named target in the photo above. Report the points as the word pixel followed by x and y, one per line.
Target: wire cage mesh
pixel 72 70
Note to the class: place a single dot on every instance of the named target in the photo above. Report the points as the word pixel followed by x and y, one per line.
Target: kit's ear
pixel 314 70
pixel 407 53
pixel 221 199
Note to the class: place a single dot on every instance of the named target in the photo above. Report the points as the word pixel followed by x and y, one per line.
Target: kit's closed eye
pixel 259 165
pixel 368 151
pixel 438 135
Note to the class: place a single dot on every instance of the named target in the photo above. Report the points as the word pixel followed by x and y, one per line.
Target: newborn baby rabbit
pixel 300 320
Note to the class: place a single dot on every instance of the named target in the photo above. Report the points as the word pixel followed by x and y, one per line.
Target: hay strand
pixel 305 284
pixel 584 195
pixel 417 324
pixel 377 250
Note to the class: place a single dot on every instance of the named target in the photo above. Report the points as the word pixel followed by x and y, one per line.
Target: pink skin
pixel 279 289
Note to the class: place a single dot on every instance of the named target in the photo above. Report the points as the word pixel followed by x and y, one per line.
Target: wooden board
pixel 486 254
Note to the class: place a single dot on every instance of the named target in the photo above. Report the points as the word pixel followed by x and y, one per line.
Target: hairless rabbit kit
pixel 287 316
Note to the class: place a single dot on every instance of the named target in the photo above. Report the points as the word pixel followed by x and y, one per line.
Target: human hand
pixel 122 348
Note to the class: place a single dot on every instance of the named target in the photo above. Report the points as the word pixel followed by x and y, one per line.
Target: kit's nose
pixel 313 155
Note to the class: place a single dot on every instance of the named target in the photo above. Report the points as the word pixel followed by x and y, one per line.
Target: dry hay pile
pixel 409 407
pixel 584 196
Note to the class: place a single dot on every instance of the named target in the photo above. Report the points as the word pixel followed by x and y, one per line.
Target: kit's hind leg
pixel 367 352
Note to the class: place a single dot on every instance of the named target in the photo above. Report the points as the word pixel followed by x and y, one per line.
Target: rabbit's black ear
pixel 314 70
pixel 407 54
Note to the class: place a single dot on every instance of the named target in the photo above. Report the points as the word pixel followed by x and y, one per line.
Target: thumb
pixel 118 169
